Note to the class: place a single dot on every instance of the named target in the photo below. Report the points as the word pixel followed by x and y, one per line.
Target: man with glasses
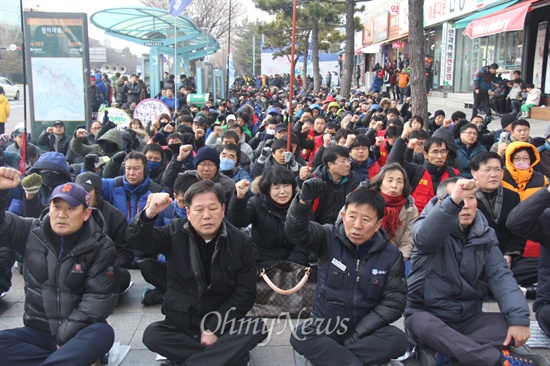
pixel 424 178
pixel 339 180
pixel 467 146
pixel 496 203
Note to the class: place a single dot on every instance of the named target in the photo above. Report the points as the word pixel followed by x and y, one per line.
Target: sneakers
pixel 513 358
pixel 152 297
pixel 430 357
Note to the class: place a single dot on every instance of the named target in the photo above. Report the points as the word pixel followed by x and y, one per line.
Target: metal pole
pixel 175 54
pixel 291 96
pixel 253 55
pixel 23 154
pixel 228 52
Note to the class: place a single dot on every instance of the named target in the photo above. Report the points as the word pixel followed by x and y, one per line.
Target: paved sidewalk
pixel 456 101
pixel 130 320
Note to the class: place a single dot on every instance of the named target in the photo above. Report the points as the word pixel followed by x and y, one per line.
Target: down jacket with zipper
pixel 189 298
pixel 451 268
pixel 268 233
pixel 369 290
pixel 63 296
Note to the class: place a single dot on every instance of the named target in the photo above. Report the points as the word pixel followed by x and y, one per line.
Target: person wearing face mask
pixel 49 171
pixel 156 163
pixel 108 144
pixel 519 175
pixel 229 163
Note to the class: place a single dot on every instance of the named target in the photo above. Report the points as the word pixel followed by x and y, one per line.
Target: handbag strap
pixel 289 291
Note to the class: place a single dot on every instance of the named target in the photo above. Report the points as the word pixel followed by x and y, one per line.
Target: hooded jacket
pixel 47 161
pixel 4 109
pixel 112 136
pixel 452 268
pixel 63 295
pixel 524 182
pixel 369 290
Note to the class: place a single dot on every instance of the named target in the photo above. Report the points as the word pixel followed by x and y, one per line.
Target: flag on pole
pixel 178 6
pixel 23 153
pixel 231 69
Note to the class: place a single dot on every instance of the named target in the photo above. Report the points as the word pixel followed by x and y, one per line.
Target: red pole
pixel 291 95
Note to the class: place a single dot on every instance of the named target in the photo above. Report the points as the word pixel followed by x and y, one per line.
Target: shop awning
pixel 509 19
pixel 463 23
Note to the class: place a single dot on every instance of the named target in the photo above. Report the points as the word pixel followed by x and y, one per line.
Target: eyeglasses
pixel 343 161
pixel 471 133
pixel 205 164
pixel 525 159
pixel 521 131
pixel 491 170
pixel 438 152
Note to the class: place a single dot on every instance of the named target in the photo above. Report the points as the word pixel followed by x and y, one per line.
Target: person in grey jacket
pixel 455 258
pixel 71 275
pixel 530 219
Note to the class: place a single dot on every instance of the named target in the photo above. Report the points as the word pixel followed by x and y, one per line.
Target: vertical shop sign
pixel 539 54
pixel 447 55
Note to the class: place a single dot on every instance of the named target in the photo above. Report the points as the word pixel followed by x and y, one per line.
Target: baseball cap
pixel 58 123
pixel 281 127
pixel 89 181
pixel 230 117
pixel 71 193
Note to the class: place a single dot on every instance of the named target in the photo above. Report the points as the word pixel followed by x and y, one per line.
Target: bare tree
pixel 416 49
pixel 210 16
pixel 347 73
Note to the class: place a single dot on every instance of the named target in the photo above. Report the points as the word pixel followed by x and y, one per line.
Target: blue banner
pixel 231 70
pixel 178 6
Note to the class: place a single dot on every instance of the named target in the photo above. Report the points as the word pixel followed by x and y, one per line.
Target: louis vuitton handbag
pixel 285 287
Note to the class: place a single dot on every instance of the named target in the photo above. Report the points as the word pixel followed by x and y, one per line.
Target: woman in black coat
pixel 267 214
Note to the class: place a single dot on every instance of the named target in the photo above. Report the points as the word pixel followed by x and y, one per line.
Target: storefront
pixel 482 38
pixel 537 44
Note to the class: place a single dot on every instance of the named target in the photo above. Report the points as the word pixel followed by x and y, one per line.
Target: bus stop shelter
pixel 159 30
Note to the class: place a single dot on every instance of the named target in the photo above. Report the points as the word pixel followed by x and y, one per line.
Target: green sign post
pixel 57 49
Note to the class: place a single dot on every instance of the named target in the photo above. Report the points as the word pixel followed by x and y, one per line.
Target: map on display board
pixel 59 94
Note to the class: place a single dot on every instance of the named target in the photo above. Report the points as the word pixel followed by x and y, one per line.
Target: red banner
pixel 509 19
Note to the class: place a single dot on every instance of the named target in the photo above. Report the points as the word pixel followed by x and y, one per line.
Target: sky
pixel 91 7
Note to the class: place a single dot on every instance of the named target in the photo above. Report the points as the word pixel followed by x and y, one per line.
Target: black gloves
pixel 119 157
pixel 311 189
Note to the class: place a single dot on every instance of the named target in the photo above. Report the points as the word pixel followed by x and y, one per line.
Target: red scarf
pixel 391 221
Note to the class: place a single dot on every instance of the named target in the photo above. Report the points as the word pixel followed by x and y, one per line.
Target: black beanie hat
pixel 506 120
pixel 207 153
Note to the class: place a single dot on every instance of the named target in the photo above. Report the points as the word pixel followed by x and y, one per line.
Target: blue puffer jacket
pixel 128 199
pixel 171 212
pixel 463 159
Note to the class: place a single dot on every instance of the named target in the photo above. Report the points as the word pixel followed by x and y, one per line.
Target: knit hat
pixel 207 153
pixel 73 194
pixel 507 119
pixel 439 112
pixel 89 181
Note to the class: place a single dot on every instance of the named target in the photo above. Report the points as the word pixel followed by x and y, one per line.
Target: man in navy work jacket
pixel 361 286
